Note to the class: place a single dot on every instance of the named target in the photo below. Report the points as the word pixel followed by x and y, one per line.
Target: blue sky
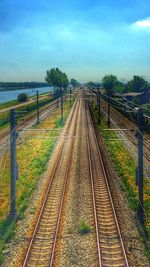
pixel 86 39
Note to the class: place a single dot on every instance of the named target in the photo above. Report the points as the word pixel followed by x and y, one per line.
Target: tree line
pixel 4 86
pixel 136 84
pixel 59 80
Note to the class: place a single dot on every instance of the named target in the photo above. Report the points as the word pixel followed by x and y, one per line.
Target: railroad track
pixel 110 247
pixel 28 122
pixel 117 121
pixel 42 245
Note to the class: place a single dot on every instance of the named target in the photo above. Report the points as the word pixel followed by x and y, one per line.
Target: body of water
pixel 6 96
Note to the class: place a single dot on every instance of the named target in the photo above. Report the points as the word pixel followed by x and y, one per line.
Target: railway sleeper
pixel 38 262
pixel 42 234
pixel 103 230
pixel 112 261
pixel 41 252
pixel 45 237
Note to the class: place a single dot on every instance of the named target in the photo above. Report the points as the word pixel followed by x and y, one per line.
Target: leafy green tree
pixel 74 83
pixel 91 84
pixel 22 97
pixel 64 80
pixel 137 84
pixel 56 78
pixel 53 77
pixel 109 82
pixel 120 87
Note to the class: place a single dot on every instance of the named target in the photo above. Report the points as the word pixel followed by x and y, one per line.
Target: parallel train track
pixel 27 122
pixel 130 134
pixel 110 248
pixel 111 251
pixel 120 123
pixel 42 245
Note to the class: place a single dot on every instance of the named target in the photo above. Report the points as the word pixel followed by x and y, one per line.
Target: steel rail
pixel 47 193
pixel 30 120
pixel 62 199
pixel 130 136
pixel 93 194
pixel 108 190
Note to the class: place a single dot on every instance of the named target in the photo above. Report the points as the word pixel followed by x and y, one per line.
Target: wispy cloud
pixel 145 23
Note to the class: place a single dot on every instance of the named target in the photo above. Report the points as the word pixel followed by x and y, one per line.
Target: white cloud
pixel 145 23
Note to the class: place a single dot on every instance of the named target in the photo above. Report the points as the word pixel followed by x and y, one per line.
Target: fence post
pixel 13 165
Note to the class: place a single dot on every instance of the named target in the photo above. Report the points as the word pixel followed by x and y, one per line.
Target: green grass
pixel 8 104
pixel 84 228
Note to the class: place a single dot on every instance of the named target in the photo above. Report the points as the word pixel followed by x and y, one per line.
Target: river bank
pixel 7 96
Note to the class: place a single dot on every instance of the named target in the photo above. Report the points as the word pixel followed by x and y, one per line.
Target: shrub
pixel 22 97
pixel 84 228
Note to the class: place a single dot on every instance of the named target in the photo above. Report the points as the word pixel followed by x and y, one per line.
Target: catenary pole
pixel 37 103
pixel 13 164
pixel 140 122
pixel 62 108
pixel 108 111
pixel 99 108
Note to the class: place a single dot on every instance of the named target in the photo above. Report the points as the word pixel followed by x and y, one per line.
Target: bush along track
pixel 34 149
pixel 125 167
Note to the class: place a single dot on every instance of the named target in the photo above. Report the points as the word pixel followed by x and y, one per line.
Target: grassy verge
pixel 33 153
pixel 126 169
pixel 16 102
pixel 8 104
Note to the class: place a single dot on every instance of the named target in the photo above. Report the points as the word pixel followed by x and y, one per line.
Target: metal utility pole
pixel 92 98
pixel 97 98
pixel 57 95
pixel 62 108
pixel 70 96
pixel 140 122
pixel 13 164
pixel 108 111
pixel 99 108
pixel 37 103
